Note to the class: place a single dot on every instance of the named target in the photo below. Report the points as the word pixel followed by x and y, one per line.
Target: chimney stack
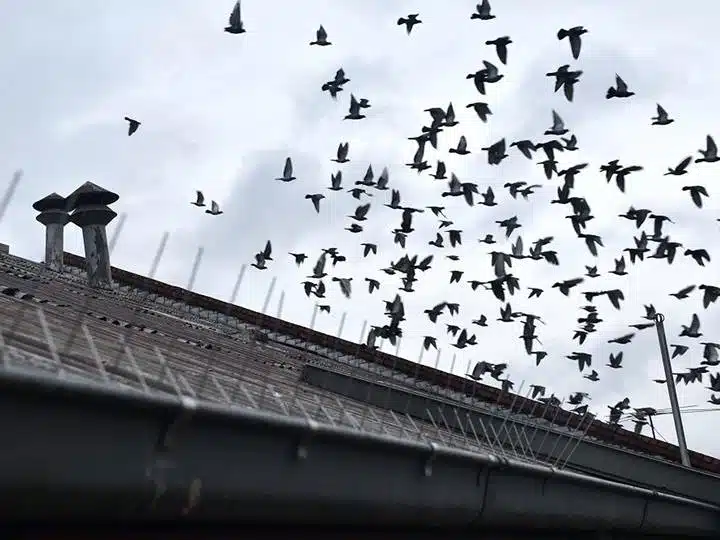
pixel 89 206
pixel 54 215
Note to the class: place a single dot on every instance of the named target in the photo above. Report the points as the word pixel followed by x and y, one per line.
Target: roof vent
pixel 90 211
pixel 54 215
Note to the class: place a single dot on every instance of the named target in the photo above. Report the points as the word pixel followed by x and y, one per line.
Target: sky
pixel 221 112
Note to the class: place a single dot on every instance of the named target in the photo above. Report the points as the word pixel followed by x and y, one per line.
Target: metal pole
pixel 679 431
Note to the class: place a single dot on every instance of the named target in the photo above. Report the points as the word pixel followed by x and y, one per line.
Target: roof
pixel 598 429
pixel 154 337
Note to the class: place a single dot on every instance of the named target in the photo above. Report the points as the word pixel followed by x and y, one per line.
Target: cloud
pixel 220 113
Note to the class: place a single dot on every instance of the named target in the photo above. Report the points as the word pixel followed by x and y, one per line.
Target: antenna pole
pixel 665 355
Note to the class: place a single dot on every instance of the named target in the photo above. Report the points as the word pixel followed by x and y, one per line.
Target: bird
pixel 199 199
pixel 321 38
pixel 574 35
pixel 287 175
pixel 482 11
pixel 354 110
pixel 500 45
pixel 620 90
pixel 680 168
pixel 662 118
pixel 409 22
pixel 558 127
pixel 315 198
pixel 710 154
pixel 133 125
pixel 235 24
pixel 342 153
pixel 214 209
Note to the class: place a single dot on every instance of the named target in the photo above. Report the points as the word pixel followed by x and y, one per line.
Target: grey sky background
pixel 220 113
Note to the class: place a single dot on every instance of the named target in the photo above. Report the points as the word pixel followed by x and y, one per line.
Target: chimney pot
pixel 54 215
pixel 90 211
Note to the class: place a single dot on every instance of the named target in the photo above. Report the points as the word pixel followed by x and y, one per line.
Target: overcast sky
pixel 221 112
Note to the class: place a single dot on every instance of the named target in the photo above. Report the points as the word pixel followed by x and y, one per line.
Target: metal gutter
pixel 80 450
pixel 590 457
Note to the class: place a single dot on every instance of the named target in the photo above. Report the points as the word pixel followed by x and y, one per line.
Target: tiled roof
pixel 602 431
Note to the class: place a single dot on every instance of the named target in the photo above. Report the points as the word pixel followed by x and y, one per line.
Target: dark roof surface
pixel 598 429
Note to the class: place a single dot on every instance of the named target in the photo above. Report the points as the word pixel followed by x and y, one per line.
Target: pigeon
pixel 133 125
pixel 200 199
pixel 620 90
pixel 214 209
pixel 410 21
pixel 662 118
pixel 287 175
pixel 482 11
pixel 573 34
pixel 321 38
pixel 235 24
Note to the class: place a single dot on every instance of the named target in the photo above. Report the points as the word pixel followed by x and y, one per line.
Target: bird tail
pixel 562 33
pixel 611 93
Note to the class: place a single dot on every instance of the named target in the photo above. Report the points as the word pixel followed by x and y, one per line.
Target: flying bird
pixel 574 35
pixel 287 175
pixel 133 125
pixel 321 38
pixel 410 21
pixel 235 24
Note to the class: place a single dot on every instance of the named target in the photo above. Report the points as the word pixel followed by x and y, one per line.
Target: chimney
pixel 54 215
pixel 89 206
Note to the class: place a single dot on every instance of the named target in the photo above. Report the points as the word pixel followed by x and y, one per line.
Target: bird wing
pixel 575 44
pixel 621 85
pixel 711 147
pixel 288 169
pixel 558 123
pixel 235 16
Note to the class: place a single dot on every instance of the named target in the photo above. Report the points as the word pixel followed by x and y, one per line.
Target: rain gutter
pixel 75 449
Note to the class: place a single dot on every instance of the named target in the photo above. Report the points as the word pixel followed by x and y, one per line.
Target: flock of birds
pixel 653 240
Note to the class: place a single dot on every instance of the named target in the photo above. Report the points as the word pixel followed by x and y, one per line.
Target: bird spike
pixel 117 230
pixel 342 324
pixel 281 303
pixel 268 294
pixel 195 268
pixel 506 416
pixel 10 192
pixel 238 282
pixel 362 332
pixel 313 317
pixel 558 408
pixel 572 435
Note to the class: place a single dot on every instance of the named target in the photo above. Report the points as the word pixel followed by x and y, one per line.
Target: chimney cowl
pixel 90 211
pixel 90 194
pixel 51 202
pixel 54 215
